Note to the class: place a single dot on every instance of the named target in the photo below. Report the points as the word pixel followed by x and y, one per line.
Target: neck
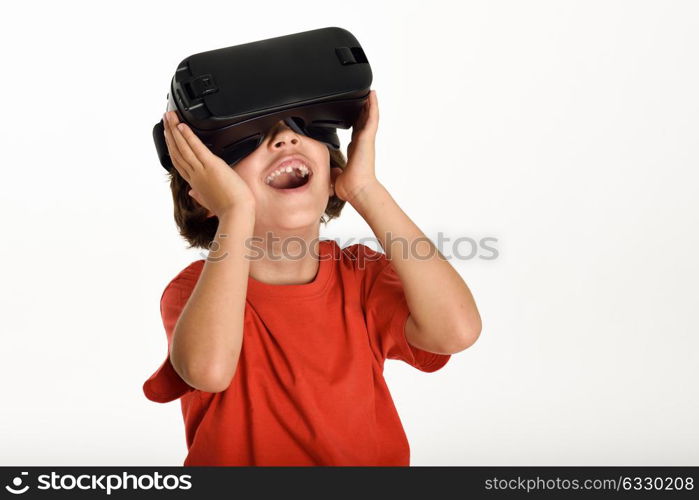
pixel 285 257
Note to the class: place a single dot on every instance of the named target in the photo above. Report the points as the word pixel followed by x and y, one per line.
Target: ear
pixel 334 173
pixel 195 194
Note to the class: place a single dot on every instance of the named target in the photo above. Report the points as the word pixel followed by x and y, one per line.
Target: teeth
pixel 303 169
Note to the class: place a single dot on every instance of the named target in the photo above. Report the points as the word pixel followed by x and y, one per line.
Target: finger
pixel 176 159
pixel 374 109
pixel 189 142
pixel 198 148
pixel 184 148
pixel 172 149
pixel 371 111
pixel 369 116
pixel 358 124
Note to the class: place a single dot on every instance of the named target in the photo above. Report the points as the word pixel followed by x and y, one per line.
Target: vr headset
pixel 316 81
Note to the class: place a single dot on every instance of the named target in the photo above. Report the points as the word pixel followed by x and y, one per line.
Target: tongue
pixel 287 180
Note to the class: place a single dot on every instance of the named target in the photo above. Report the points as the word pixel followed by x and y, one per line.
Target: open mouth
pixel 289 178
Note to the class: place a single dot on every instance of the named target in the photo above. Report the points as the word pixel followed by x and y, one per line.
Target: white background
pixel 566 130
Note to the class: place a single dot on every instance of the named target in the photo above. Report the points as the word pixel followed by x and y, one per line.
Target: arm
pixel 443 315
pixel 208 335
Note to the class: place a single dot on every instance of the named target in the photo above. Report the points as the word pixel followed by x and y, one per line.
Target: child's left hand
pixel 361 152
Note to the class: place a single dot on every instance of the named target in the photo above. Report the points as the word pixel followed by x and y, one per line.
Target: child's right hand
pixel 215 185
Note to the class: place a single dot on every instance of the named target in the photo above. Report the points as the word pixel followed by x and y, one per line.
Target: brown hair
pixel 199 231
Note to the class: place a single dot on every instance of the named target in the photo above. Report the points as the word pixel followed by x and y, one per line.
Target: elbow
pixel 471 338
pixel 214 387
pixel 467 335
pixel 204 376
pixel 212 382
pixel 209 379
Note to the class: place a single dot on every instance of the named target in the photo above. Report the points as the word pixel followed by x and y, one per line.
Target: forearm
pixel 441 305
pixel 208 335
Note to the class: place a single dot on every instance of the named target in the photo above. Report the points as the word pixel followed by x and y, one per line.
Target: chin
pixel 298 220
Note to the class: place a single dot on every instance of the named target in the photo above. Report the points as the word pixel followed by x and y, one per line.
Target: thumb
pixel 194 194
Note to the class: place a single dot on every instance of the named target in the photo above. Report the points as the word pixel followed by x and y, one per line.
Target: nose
pixel 281 133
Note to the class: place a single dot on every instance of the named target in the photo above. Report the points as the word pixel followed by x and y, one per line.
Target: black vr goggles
pixel 316 81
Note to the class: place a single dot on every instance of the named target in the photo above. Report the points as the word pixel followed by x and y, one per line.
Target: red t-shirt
pixel 309 386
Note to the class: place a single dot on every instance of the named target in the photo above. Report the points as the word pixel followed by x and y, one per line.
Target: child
pixel 276 342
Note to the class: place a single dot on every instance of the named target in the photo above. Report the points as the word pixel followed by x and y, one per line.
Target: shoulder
pixel 362 258
pixel 185 280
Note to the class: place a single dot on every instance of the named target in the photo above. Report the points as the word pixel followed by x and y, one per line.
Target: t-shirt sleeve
pixel 165 384
pixel 387 312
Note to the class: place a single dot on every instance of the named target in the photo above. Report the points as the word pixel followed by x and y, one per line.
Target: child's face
pixel 279 209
